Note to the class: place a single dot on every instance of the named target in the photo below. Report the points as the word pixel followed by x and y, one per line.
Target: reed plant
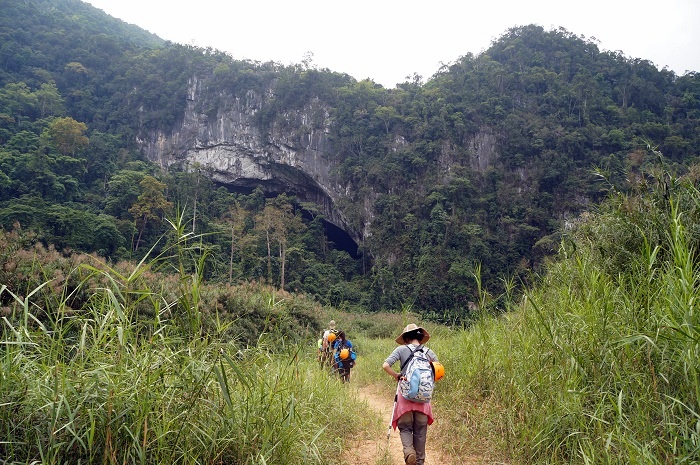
pixel 598 363
pixel 136 374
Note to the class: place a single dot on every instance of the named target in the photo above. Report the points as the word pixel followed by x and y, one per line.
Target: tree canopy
pixel 477 169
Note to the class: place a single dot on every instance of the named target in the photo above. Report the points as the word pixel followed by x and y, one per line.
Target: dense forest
pixel 570 123
pixel 543 195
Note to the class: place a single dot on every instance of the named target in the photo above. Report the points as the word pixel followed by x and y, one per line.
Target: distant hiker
pixel 327 340
pixel 344 356
pixel 411 417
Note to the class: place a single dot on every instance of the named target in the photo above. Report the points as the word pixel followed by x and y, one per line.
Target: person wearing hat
pixel 326 332
pixel 411 418
pixel 326 344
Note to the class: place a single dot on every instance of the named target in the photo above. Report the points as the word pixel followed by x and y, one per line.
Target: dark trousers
pixel 413 428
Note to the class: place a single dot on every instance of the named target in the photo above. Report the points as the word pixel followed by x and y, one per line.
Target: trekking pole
pixel 396 398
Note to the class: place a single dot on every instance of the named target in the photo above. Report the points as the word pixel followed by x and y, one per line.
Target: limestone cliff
pixel 224 134
pixel 290 155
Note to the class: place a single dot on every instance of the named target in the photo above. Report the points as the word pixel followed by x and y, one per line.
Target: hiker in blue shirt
pixel 344 356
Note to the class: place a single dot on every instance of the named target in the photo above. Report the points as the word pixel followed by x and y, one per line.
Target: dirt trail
pixel 380 452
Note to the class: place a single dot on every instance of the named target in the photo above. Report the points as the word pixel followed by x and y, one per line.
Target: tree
pixel 49 100
pixel 122 190
pixel 278 222
pixel 101 158
pixel 387 115
pixel 68 135
pixel 18 101
pixel 236 218
pixel 268 221
pixel 291 226
pixel 150 205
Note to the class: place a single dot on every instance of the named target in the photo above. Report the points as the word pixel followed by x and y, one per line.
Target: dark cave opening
pixel 338 238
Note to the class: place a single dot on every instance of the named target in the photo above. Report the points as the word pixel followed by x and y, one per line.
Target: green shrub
pixel 599 361
pixel 146 370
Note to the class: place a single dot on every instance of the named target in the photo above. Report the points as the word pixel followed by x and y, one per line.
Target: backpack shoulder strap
pixel 413 352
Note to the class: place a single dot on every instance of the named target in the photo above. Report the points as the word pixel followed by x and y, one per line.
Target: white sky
pixel 388 40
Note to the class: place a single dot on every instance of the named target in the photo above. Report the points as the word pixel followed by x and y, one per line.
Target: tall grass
pixel 144 372
pixel 599 362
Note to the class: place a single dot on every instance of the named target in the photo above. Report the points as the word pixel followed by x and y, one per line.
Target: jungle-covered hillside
pixel 569 124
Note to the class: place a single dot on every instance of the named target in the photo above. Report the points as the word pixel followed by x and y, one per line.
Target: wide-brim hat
pixel 331 324
pixel 412 327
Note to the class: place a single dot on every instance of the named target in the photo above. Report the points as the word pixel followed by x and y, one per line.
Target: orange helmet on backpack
pixel 344 354
pixel 331 337
pixel 439 370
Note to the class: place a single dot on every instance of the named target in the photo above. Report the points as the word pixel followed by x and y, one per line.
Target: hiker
pixel 343 356
pixel 411 418
pixel 327 340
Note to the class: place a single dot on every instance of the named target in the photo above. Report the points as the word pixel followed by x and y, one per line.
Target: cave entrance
pixel 337 237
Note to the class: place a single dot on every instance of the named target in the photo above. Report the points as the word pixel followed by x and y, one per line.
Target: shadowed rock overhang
pixel 291 155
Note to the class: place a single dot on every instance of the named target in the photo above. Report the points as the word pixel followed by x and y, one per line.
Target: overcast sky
pixel 388 40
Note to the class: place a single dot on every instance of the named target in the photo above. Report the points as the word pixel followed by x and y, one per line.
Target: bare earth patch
pixel 380 451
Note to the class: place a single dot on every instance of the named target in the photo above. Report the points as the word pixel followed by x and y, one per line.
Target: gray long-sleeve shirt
pixel 403 352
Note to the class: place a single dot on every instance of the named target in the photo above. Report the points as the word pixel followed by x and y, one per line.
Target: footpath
pixel 379 451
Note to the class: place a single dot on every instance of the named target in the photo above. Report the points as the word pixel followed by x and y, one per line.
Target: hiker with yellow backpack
pixel 344 356
pixel 415 382
pixel 325 355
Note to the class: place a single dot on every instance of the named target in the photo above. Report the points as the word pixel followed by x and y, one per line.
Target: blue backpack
pixel 348 362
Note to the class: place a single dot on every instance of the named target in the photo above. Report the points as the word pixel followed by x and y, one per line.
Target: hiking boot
pixel 411 458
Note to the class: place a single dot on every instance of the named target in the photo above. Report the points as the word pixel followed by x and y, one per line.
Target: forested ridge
pixel 566 122
pixel 541 195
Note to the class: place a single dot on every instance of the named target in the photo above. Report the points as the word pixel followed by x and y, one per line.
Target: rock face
pixel 224 135
pixel 291 155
